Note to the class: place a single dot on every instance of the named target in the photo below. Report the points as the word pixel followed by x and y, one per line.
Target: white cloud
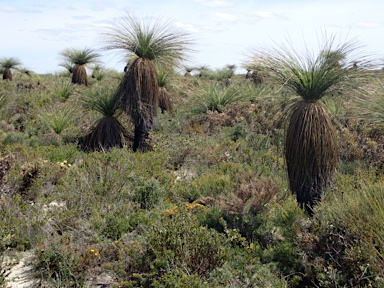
pixel 82 17
pixel 220 16
pixel 215 24
pixel 214 28
pixel 268 15
pixel 368 24
pixel 187 27
pixel 214 3
pixel 10 9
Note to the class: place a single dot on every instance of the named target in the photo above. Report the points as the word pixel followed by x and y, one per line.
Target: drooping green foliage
pixel 155 40
pixel 59 119
pixel 6 64
pixel 214 97
pixel 108 132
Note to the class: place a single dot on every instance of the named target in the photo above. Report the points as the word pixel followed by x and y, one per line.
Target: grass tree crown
pixel 80 56
pixel 156 40
pixel 6 64
pixel 310 75
pixel 9 63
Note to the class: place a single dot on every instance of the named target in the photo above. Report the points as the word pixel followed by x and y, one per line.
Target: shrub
pixel 210 184
pixel 116 224
pixel 178 242
pixel 59 119
pixel 63 88
pixel 146 193
pixel 214 97
pixel 277 236
pixel 58 266
pixel 178 278
pixel 345 243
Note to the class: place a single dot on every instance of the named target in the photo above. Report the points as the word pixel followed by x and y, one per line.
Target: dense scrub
pixel 209 206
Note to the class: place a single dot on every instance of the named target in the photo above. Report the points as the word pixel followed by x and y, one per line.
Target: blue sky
pixel 36 31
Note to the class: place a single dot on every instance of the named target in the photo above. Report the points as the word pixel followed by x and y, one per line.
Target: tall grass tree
pixel 6 66
pixel 80 58
pixel 147 43
pixel 311 149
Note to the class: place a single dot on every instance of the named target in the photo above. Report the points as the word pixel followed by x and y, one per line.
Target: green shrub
pixel 117 224
pixel 54 264
pixel 146 193
pixel 178 242
pixel 177 278
pixel 347 235
pixel 210 184
pixel 20 225
pixel 277 236
pixel 62 88
pixel 214 97
pixel 59 119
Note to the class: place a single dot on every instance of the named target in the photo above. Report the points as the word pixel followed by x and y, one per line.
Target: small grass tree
pixel 147 43
pixel 108 132
pixel 311 149
pixel 79 58
pixel 165 102
pixel 6 66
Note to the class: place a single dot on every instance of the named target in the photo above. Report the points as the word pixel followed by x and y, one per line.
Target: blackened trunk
pixel 7 74
pixel 142 141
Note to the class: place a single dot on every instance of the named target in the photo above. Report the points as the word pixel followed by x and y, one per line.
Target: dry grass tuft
pixel 252 194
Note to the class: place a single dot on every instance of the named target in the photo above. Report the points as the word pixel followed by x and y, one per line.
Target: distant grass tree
pixel 147 44
pixel 165 102
pixel 80 58
pixel 6 66
pixel 311 149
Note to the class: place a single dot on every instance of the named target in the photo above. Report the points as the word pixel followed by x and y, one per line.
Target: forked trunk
pixel 311 152
pixel 7 74
pixel 79 75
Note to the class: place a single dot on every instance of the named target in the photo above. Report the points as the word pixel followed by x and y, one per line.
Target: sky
pixel 224 31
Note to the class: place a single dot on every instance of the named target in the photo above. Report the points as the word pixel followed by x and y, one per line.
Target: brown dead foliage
pixel 252 194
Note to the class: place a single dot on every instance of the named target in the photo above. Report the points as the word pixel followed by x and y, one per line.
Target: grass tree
pixel 79 58
pixel 147 43
pixel 6 66
pixel 69 66
pixel 311 149
pixel 202 70
pixel 108 132
pixel 165 102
